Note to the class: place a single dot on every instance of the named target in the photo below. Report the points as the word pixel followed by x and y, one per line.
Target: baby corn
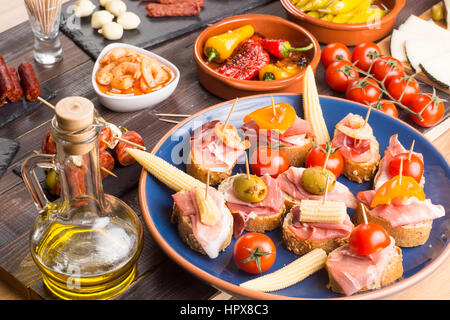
pixel 290 274
pixel 209 213
pixel 312 108
pixel 171 176
pixel 317 211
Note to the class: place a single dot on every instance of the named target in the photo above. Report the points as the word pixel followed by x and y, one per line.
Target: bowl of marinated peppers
pixel 254 54
pixel 346 21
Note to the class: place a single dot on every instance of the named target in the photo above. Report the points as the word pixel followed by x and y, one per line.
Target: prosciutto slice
pixel 353 271
pixel 402 212
pixel 208 150
pixel 314 231
pixel 210 238
pixel 242 210
pixel 290 183
pixel 394 148
pixel 296 135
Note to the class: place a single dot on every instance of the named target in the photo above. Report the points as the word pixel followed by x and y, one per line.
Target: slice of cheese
pixel 438 69
pixel 418 51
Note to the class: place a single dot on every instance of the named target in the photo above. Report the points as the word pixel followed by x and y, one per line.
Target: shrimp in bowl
pixel 128 78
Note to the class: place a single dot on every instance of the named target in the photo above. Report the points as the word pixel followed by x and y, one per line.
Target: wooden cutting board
pixel 385 45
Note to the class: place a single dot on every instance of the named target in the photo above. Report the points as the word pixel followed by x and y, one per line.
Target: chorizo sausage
pixel 6 85
pixel 105 139
pixel 120 151
pixel 17 93
pixel 29 81
pixel 173 10
pixel 106 161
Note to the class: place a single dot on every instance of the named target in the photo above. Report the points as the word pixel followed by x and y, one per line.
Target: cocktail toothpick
pixel 229 113
pixel 411 150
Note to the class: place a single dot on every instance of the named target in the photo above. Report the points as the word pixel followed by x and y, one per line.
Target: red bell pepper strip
pixel 281 48
pixel 246 62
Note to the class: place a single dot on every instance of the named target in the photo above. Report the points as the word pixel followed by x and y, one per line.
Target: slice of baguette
pixel 184 226
pixel 405 236
pixel 201 173
pixel 301 247
pixel 392 272
pixel 256 223
pixel 360 172
pixel 297 154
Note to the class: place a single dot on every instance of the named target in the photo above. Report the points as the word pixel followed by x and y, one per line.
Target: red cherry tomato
pixel 399 84
pixel 387 107
pixel 368 238
pixel 338 79
pixel 363 90
pixel 335 51
pixel 365 53
pixel 317 155
pixel 254 252
pixel 385 68
pixel 265 160
pixel 411 167
pixel 431 108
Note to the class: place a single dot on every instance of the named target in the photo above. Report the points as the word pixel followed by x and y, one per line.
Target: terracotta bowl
pixel 268 26
pixel 349 34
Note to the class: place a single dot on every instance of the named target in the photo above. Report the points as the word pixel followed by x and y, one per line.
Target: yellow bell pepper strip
pixel 345 17
pixel 278 117
pixel 395 188
pixel 220 47
pixel 341 6
pixel 314 14
pixel 272 72
pixel 328 17
pixel 370 15
pixel 315 5
pixel 299 3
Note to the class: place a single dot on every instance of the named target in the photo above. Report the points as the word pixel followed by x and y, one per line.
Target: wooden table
pixel 19 279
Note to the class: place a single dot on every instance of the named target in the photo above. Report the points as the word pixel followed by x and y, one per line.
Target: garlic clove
pixel 129 20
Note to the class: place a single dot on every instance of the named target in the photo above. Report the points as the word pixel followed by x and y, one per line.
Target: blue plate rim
pixel 236 290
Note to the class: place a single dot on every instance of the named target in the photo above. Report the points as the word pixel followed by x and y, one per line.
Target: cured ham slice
pixel 356 144
pixel 394 148
pixel 353 271
pixel 210 238
pixel 296 135
pixel 210 152
pixel 242 210
pixel 402 212
pixel 290 183
pixel 315 231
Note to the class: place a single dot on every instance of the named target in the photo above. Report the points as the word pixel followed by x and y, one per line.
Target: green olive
pixel 314 180
pixel 437 12
pixel 51 181
pixel 249 188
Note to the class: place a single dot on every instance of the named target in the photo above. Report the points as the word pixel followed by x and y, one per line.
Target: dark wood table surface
pixel 158 276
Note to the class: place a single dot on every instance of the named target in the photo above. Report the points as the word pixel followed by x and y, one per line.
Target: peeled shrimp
pixel 152 72
pixel 114 54
pixel 124 75
pixel 104 74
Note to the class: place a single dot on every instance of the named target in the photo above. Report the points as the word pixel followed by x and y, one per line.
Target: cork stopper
pixel 75 114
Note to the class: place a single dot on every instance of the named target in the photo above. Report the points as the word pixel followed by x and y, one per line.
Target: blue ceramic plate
pixel 156 203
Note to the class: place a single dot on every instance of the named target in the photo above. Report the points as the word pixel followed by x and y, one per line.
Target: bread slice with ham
pixel 209 153
pixel 350 272
pixel 203 238
pixel 358 146
pixel 409 221
pixel 295 142
pixel 290 184
pixel 262 216
pixel 303 237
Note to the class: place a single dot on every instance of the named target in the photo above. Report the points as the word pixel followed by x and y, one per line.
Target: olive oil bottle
pixel 87 243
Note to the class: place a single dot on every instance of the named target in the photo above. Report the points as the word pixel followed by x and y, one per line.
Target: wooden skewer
pixel 364 214
pixel 168 120
pixel 401 171
pixel 207 185
pixel 48 104
pixel 411 149
pixel 231 111
pixel 273 107
pixel 130 143
pixel 175 115
pixel 326 159
pixel 324 199
pixel 367 116
pixel 247 168
pixel 107 171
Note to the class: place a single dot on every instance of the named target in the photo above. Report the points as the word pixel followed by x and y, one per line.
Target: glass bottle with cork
pixel 87 243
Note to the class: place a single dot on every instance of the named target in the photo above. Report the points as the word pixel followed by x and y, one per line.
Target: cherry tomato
pixel 431 108
pixel 363 90
pixel 387 107
pixel 368 238
pixel 411 167
pixel 265 160
pixel 317 156
pixel 364 54
pixel 337 79
pixel 400 84
pixel 385 68
pixel 254 252
pixel 335 51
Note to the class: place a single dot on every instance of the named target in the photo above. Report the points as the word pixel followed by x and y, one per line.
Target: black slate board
pixel 8 149
pixel 151 31
pixel 13 110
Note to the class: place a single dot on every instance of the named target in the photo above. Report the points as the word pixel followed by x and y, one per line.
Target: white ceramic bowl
pixel 133 103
